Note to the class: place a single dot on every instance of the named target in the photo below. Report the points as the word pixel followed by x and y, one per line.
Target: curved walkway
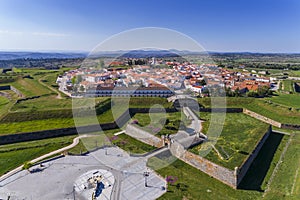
pixel 75 142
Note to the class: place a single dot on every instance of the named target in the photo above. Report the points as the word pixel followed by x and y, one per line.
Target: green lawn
pixel 35 125
pixel 31 87
pixel 154 122
pixel 14 155
pixel 50 103
pixel 275 112
pixel 132 145
pixel 7 103
pixel 53 123
pixel 123 141
pixel 194 184
pixel 239 137
pixel 263 165
pixel 146 102
pixel 231 102
pixel 43 103
pixel 3 101
pixel 288 100
pixel 286 182
pixel 294 73
pixel 4 105
pixel 288 86
pixel 262 106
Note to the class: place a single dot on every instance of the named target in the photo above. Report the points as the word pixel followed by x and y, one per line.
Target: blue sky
pixel 218 25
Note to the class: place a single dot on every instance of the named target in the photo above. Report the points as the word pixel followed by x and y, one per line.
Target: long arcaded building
pixel 101 91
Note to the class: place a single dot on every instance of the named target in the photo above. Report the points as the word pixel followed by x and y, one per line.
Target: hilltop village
pixel 155 81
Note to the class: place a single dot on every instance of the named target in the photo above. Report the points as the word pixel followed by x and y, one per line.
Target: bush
pixel 27 165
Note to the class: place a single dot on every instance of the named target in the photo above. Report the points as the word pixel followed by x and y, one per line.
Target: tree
pixel 73 80
pixel 79 79
pixel 263 91
pixel 101 64
pixel 81 89
pixel 202 82
pixel 237 92
pixel 252 94
pixel 229 92
pixel 75 88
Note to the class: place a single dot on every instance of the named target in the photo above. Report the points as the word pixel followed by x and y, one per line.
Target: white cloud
pixel 11 32
pixel 48 34
pixel 45 34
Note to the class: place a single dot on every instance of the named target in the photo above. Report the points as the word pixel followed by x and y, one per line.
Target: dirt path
pixel 295 180
pixel 50 88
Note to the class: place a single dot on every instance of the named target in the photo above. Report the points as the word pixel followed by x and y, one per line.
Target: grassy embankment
pixel 194 184
pixel 238 138
pixel 14 155
pixel 287 111
pixel 162 123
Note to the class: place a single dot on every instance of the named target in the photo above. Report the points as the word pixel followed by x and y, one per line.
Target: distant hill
pixel 144 53
pixel 5 55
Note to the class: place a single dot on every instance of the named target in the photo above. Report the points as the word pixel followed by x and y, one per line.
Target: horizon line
pixel 87 52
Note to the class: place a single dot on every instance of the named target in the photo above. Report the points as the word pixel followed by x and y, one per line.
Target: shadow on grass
pixel 261 164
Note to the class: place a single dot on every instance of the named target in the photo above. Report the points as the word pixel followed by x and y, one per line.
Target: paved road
pixel 75 142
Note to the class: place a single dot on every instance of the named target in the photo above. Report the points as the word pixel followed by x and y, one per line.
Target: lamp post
pixel 146 174
pixel 74 192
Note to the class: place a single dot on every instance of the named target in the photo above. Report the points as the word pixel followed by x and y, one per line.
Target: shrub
pixel 27 165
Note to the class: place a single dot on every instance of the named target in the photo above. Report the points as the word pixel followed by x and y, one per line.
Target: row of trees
pixel 279 66
pixel 263 91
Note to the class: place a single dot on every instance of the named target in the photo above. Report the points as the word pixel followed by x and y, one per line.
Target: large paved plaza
pixel 64 178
